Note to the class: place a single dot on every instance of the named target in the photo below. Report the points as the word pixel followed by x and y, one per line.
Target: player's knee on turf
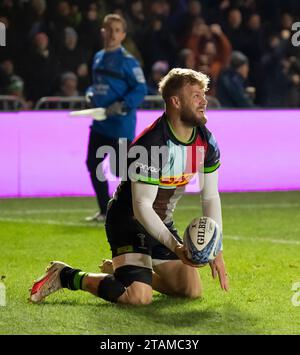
pixel 129 284
pixel 192 292
pixel 187 286
pixel 137 294
pixel 190 283
pixel 190 289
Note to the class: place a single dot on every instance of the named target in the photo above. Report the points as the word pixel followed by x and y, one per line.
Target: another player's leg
pixel 100 187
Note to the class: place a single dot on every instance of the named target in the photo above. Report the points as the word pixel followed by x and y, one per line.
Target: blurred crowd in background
pixel 238 43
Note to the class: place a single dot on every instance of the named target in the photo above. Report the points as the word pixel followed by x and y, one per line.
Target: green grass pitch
pixel 261 249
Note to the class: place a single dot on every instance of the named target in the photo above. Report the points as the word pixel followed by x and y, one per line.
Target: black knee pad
pixel 113 286
pixel 130 273
pixel 110 289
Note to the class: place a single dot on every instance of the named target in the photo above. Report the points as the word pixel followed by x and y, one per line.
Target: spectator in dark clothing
pixel 136 21
pixel 254 48
pixel 41 69
pixel 184 25
pixel 254 38
pixel 159 44
pixel 186 59
pixel 11 9
pixel 159 70
pixel 275 81
pixel 63 17
pixel 72 55
pixel 68 85
pixel 68 89
pixel 11 49
pixel 89 31
pixel 160 8
pixel 293 72
pixel 231 86
pixel 286 21
pixel 273 11
pixel 177 9
pixel 234 30
pixel 158 30
pixel 10 82
pixel 66 98
pixel 35 17
pixel 213 10
pixel 4 78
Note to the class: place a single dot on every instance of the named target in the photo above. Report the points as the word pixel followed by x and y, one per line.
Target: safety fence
pixel 150 102
pixel 13 103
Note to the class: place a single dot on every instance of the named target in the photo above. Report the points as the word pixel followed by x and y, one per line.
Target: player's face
pixel 193 105
pixel 113 34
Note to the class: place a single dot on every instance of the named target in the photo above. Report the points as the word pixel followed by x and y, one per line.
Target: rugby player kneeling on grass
pixel 147 252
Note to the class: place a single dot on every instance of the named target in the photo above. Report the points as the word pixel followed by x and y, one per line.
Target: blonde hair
pixel 115 17
pixel 179 77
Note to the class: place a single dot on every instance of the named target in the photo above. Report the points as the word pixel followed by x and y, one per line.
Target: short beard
pixel 191 119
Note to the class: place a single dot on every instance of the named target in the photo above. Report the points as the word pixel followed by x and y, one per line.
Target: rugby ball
pixel 203 240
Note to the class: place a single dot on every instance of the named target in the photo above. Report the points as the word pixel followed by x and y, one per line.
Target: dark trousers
pixel 96 140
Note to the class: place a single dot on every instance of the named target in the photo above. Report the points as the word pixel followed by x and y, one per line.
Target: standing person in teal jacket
pixel 119 86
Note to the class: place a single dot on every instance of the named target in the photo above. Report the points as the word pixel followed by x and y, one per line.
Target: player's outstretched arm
pixel 211 203
pixel 143 197
pixel 211 206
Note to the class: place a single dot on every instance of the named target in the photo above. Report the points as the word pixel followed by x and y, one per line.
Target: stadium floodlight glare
pixel 98 114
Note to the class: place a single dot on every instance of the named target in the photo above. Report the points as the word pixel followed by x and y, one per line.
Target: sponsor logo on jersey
pixel 176 180
pixel 145 168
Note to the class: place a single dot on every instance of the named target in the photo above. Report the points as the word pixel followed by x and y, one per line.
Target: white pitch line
pixel 49 222
pixel 188 208
pixel 249 206
pixel 263 240
pixel 78 224
pixel 41 211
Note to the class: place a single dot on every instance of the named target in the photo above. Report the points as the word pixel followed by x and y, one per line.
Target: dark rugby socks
pixel 72 278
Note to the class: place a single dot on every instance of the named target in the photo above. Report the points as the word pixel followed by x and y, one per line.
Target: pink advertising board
pixel 42 153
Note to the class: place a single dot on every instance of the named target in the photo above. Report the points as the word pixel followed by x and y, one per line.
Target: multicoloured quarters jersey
pixel 168 163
